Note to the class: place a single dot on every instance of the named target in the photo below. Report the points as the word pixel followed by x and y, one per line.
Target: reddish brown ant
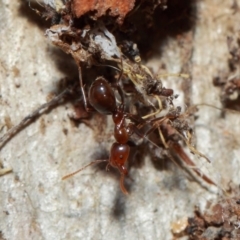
pixel 102 98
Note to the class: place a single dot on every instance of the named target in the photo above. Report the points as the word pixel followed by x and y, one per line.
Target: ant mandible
pixel 102 98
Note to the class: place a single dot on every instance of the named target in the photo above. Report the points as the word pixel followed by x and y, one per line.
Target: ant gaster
pixel 102 98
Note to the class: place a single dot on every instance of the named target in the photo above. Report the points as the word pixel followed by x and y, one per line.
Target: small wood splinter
pixel 5 171
pixel 43 108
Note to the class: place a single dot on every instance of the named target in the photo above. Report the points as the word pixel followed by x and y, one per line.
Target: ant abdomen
pixel 101 96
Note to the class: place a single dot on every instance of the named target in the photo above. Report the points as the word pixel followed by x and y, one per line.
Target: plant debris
pixel 230 82
pixel 99 8
pixel 220 222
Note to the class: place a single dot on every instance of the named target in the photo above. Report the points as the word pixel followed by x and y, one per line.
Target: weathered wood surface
pixel 36 204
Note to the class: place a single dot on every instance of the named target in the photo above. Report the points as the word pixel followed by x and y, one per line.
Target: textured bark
pixel 37 204
pixel 116 8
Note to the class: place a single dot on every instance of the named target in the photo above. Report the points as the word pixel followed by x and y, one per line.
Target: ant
pixel 102 98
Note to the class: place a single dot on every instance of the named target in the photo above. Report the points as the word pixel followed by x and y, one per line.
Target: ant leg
pixel 140 123
pixel 193 149
pixel 43 108
pixel 133 128
pixel 162 138
pixel 178 149
pixel 87 108
pixel 159 121
pixel 157 111
pixel 79 170
pixel 183 75
pixel 107 167
pixel 120 91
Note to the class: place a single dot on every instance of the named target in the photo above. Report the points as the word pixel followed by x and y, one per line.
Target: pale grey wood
pixel 36 204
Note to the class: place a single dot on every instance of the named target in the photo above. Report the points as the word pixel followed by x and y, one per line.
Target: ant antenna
pixel 118 84
pixel 218 108
pixel 182 75
pixel 106 65
pixel 79 170
pixel 35 10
